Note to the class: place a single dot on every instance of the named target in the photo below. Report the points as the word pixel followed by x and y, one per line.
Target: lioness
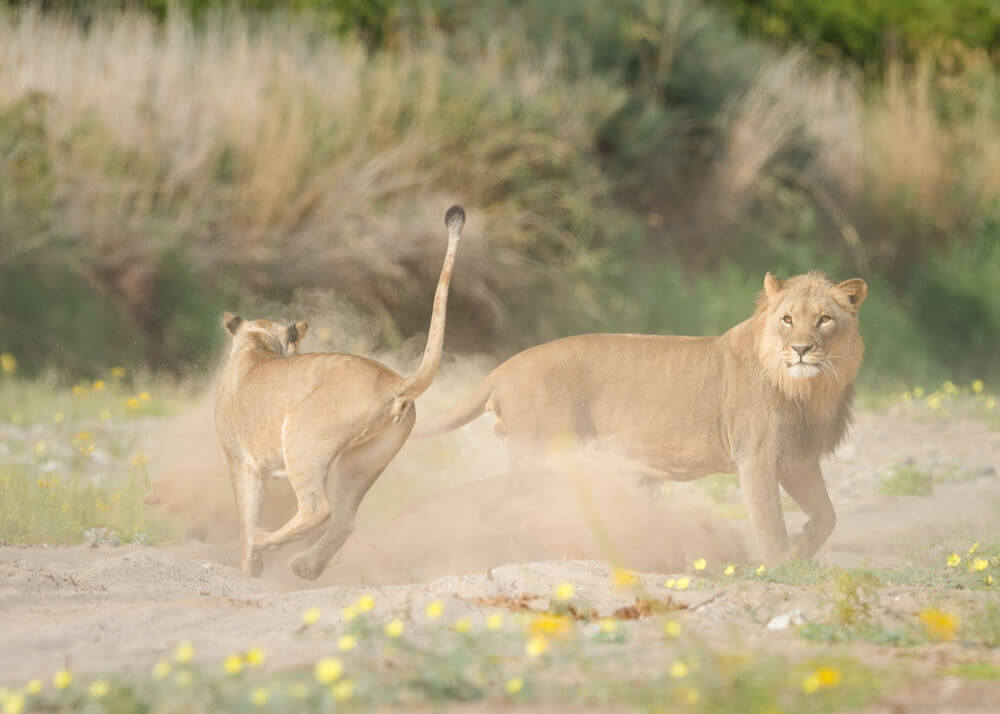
pixel 282 414
pixel 768 398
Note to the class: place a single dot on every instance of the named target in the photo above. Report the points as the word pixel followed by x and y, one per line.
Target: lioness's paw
pixel 302 567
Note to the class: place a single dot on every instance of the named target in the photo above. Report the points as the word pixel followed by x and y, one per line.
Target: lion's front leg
pixel 805 485
pixel 247 487
pixel 759 483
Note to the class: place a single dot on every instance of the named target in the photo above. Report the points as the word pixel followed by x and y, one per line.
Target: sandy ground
pixel 123 608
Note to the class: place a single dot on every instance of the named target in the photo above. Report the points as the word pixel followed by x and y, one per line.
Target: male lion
pixel 282 414
pixel 768 398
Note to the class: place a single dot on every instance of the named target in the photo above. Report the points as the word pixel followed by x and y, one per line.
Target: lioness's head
pixel 265 334
pixel 809 331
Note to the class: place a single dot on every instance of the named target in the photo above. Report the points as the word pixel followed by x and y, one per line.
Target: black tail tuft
pixel 454 219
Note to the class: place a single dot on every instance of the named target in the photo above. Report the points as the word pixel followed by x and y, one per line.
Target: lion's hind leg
pixel 354 473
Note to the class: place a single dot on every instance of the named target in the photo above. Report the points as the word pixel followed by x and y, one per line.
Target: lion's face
pixel 273 336
pixel 809 329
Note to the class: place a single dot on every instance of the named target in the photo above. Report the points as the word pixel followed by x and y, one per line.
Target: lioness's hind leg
pixel 354 473
pixel 806 487
pixel 307 456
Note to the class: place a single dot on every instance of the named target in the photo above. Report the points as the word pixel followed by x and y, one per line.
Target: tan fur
pixel 280 414
pixel 683 407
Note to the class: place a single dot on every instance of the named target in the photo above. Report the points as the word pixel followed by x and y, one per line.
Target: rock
pixel 795 618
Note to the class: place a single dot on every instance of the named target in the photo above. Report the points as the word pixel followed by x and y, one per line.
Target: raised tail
pixel 459 415
pixel 415 385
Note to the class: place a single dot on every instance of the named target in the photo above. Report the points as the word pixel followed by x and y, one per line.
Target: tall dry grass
pixel 288 160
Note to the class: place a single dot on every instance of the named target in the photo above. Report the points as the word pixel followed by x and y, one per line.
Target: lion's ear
pixel 772 284
pixel 854 291
pixel 296 332
pixel 232 323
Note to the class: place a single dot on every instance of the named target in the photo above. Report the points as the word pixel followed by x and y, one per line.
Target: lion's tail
pixel 418 383
pixel 459 415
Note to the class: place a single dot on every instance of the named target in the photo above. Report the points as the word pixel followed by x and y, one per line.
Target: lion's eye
pixel 787 319
pixel 824 319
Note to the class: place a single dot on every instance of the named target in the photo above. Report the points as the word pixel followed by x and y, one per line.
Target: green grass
pixel 905 480
pixel 72 461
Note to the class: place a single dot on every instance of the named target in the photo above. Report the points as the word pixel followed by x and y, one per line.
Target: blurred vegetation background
pixel 627 166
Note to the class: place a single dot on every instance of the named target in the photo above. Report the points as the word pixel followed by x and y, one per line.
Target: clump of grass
pixel 907 480
pixel 853 591
pixel 983 625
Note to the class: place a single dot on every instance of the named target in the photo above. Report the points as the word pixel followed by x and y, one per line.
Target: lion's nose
pixel 802 349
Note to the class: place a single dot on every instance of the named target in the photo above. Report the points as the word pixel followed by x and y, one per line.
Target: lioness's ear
pixel 297 331
pixel 772 284
pixel 231 322
pixel 854 291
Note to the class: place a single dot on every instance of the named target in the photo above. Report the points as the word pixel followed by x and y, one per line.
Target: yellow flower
pixel 184 652
pixel 672 629
pixel 761 569
pixel 678 670
pixel 939 625
pixel 434 609
pixel 255 656
pixel 974 547
pixel 349 613
pixel 99 688
pixel 8 363
pixel 233 664
pixel 98 385
pixel 259 696
pixel 564 591
pixel 980 563
pixel 393 629
pixel 494 621
pixel 162 669
pixel 140 460
pixel 62 679
pixel 700 564
pixel 918 392
pixel 366 603
pixel 977 386
pixel 105 415
pixel 328 670
pixel 513 685
pixel 608 625
pixel 537 646
pixel 546 624
pixel 145 396
pixel 132 403
pixel 989 579
pixel 183 678
pixel 117 372
pixel 79 390
pixel 954 559
pixel 934 401
pixel 347 642
pixel 729 569
pixel 669 583
pixel 40 448
pixel 33 687
pixel 463 625
pixel 342 691
pixel 623 578
pixel 58 417
pixel 821 678
pixel 683 582
pixel 828 676
pixel 14 704
pixel 990 402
